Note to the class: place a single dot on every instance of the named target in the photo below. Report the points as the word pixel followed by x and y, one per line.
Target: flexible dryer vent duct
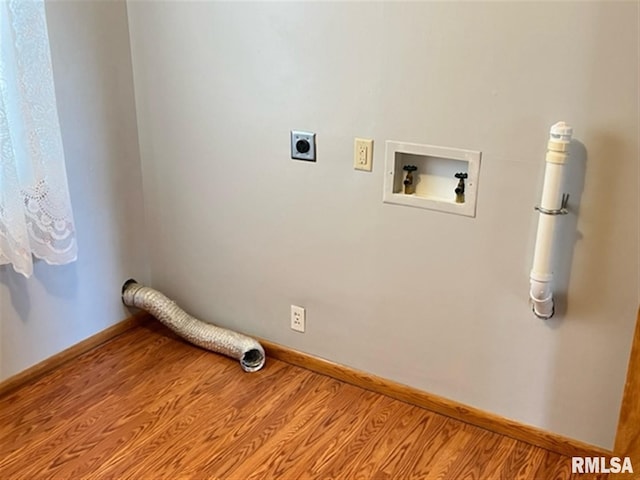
pixel 232 344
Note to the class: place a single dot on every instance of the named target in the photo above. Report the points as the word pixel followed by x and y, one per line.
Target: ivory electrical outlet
pixel 297 318
pixel 363 154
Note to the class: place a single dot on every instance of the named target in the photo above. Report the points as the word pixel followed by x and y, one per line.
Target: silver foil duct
pixel 220 340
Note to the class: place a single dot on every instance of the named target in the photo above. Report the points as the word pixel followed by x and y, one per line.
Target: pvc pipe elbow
pixel 543 310
pixel 541 299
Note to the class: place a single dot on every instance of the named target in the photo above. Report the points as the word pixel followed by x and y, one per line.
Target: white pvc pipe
pixel 542 272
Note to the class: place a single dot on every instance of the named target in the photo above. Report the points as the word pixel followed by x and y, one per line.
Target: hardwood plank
pixel 475 457
pixel 495 423
pixel 440 449
pixel 73 390
pixel 203 440
pixel 40 369
pixel 148 405
pixel 345 451
pixel 345 425
pixel 105 439
pixel 291 450
pixel 520 463
pixel 244 442
pixel 377 451
pixel 398 461
pixel 449 454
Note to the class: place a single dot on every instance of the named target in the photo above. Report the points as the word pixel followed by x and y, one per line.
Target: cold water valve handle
pixel 459 191
pixel 409 186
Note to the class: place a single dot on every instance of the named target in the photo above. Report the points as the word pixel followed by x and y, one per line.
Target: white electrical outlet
pixel 297 318
pixel 363 154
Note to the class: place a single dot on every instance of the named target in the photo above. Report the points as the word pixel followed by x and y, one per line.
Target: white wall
pixel 440 302
pixel 60 306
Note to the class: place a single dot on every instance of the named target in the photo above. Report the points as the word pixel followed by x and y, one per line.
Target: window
pixel 35 209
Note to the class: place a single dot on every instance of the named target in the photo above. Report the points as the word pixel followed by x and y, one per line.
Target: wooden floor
pixel 148 406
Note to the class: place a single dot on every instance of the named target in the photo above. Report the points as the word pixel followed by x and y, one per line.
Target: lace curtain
pixel 35 209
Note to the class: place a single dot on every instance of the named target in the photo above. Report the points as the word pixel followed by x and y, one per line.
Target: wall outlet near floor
pixel 297 318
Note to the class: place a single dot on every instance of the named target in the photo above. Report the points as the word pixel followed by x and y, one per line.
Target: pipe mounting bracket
pixel 563 210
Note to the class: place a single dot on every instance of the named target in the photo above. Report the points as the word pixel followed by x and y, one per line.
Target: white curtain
pixel 35 209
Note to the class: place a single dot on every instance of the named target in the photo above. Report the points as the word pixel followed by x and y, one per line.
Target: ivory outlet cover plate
pixel 297 318
pixel 363 154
